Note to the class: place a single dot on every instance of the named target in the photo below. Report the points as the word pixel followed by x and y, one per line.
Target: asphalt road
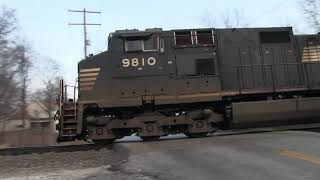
pixel 293 155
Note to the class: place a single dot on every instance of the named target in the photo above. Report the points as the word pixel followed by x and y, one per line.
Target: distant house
pixel 36 128
pixel 36 117
pixel 39 116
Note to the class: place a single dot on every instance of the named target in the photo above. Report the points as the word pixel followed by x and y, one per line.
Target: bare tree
pixel 312 12
pixel 236 19
pixel 8 64
pixel 208 20
pixel 48 95
pixel 7 22
pixel 15 67
pixel 15 63
pixel 51 92
pixel 50 73
pixel 24 65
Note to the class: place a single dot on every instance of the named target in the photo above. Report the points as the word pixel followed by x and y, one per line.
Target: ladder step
pixel 69 106
pixel 73 135
pixel 70 122
pixel 69 126
pixel 69 115
pixel 70 135
pixel 66 138
pixel 69 109
pixel 73 128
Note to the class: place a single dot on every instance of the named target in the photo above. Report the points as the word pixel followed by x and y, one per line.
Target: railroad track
pixel 91 146
pixel 53 148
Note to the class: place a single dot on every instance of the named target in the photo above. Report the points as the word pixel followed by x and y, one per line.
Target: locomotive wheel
pixel 150 138
pixel 103 142
pixel 196 135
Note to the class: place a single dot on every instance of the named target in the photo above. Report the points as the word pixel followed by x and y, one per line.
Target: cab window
pixel 133 45
pixel 142 44
pixel 150 44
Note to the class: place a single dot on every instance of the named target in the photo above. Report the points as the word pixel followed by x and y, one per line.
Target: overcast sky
pixel 44 23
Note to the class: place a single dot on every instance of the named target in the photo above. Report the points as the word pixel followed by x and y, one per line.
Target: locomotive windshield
pixel 142 44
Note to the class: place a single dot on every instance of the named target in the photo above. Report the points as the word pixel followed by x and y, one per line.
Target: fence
pixel 27 138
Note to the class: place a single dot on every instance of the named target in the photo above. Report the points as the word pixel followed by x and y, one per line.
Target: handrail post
pixel 239 79
pixel 61 96
pixel 65 94
pixel 273 77
pixel 75 103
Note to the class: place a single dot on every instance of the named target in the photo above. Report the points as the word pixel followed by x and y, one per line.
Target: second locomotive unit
pixel 193 81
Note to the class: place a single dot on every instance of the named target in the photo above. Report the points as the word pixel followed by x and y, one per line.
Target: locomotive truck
pixel 153 83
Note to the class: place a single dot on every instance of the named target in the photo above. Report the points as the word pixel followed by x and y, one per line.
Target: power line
pixel 85 24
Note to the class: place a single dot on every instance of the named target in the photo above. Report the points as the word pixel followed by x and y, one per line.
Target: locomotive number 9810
pixel 135 62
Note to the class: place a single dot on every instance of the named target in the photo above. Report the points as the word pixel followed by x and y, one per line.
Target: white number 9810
pixel 135 62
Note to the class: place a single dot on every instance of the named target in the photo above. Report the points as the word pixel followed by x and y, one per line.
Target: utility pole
pixel 85 24
pixel 23 68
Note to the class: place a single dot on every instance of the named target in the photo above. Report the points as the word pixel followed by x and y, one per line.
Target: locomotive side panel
pixel 259 59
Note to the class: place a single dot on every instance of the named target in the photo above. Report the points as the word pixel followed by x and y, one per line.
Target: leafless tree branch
pixel 15 64
pixel 235 19
pixel 312 12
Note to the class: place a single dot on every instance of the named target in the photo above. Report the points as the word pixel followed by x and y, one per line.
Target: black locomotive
pixel 193 81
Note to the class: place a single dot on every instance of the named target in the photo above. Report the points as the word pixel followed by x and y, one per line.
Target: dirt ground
pixel 104 163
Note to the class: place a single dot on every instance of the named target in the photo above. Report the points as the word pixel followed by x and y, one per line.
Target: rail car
pixel 192 81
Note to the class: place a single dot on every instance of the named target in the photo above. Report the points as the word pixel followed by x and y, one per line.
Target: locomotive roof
pixel 146 32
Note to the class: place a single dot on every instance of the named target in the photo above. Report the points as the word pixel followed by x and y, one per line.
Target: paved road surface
pixel 283 155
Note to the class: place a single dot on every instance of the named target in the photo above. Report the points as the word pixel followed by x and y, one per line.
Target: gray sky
pixel 44 23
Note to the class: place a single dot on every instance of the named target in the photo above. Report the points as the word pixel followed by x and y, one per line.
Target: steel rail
pixel 14 151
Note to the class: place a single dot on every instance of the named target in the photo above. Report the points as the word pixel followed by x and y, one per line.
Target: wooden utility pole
pixel 85 24
pixel 24 66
